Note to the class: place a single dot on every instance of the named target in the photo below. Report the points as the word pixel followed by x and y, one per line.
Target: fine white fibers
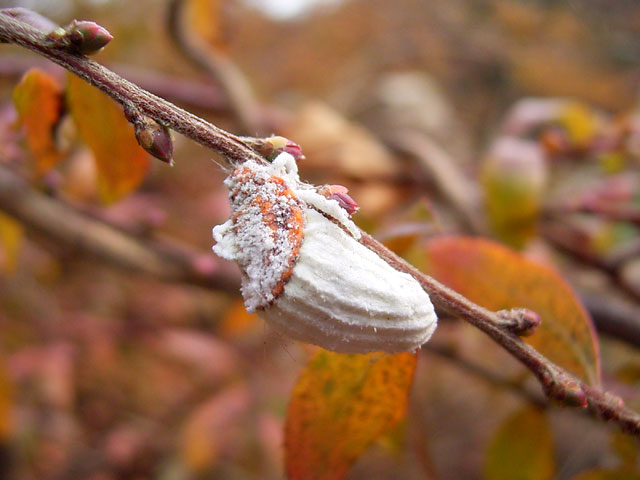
pixel 257 236
pixel 329 207
pixel 286 166
pixel 343 297
pixel 306 272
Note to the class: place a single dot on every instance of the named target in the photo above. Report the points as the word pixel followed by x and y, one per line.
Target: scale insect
pixel 306 273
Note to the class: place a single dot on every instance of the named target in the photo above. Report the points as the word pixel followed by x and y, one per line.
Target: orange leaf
pixel 208 426
pixel 340 405
pixel 203 17
pixel 121 163
pixel 6 403
pixel 38 100
pixel 11 235
pixel 498 278
pixel 237 322
pixel 522 449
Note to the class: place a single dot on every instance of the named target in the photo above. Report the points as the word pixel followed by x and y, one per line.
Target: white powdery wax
pixel 307 274
pixel 345 298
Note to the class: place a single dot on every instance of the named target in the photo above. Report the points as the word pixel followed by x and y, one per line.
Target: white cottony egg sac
pixel 306 273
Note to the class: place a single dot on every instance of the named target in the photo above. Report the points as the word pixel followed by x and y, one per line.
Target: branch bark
pixel 126 93
pixel 557 383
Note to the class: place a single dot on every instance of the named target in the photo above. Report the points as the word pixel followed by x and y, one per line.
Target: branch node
pixel 521 321
pixel 81 36
pixel 563 388
pixel 154 137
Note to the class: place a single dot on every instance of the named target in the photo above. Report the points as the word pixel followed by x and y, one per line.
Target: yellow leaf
pixel 498 278
pixel 121 163
pixel 522 449
pixel 38 100
pixel 11 235
pixel 580 123
pixel 339 406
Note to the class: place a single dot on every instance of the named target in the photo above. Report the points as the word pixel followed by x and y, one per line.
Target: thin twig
pixel 565 239
pixel 499 381
pixel 220 67
pixel 70 228
pixel 126 93
pixel 613 316
pixel 556 382
pixel 437 166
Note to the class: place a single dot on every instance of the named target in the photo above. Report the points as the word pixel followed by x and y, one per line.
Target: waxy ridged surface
pixel 343 297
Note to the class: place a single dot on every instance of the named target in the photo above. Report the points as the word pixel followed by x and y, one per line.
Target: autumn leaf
pixel 38 100
pixel 6 403
pixel 204 19
pixel 121 163
pixel 498 278
pixel 340 405
pixel 237 322
pixel 522 449
pixel 11 235
pixel 206 429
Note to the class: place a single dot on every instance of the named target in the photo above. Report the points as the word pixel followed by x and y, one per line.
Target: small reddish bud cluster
pixel 340 195
pixel 151 135
pixel 82 36
pixel 274 146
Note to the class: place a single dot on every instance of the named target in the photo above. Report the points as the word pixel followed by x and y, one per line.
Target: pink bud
pixel 155 139
pixel 87 37
pixel 340 195
pixel 275 145
pixel 294 150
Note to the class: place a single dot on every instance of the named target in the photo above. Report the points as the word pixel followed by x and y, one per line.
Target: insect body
pixel 305 271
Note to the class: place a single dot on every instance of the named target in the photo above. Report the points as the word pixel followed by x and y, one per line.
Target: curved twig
pixel 220 67
pixel 556 382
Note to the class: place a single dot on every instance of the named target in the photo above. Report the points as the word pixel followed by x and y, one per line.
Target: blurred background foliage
pixel 512 119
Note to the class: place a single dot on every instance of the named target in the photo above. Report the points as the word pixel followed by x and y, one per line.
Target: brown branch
pixel 620 213
pixel 437 166
pixel 614 316
pixel 70 228
pixel 192 93
pixel 567 240
pixel 556 382
pixel 126 93
pixel 230 79
pixel 489 376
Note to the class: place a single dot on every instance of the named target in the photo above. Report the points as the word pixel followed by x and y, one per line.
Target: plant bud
pixel 155 139
pixel 514 177
pixel 274 146
pixel 86 37
pixel 340 194
pixel 307 274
